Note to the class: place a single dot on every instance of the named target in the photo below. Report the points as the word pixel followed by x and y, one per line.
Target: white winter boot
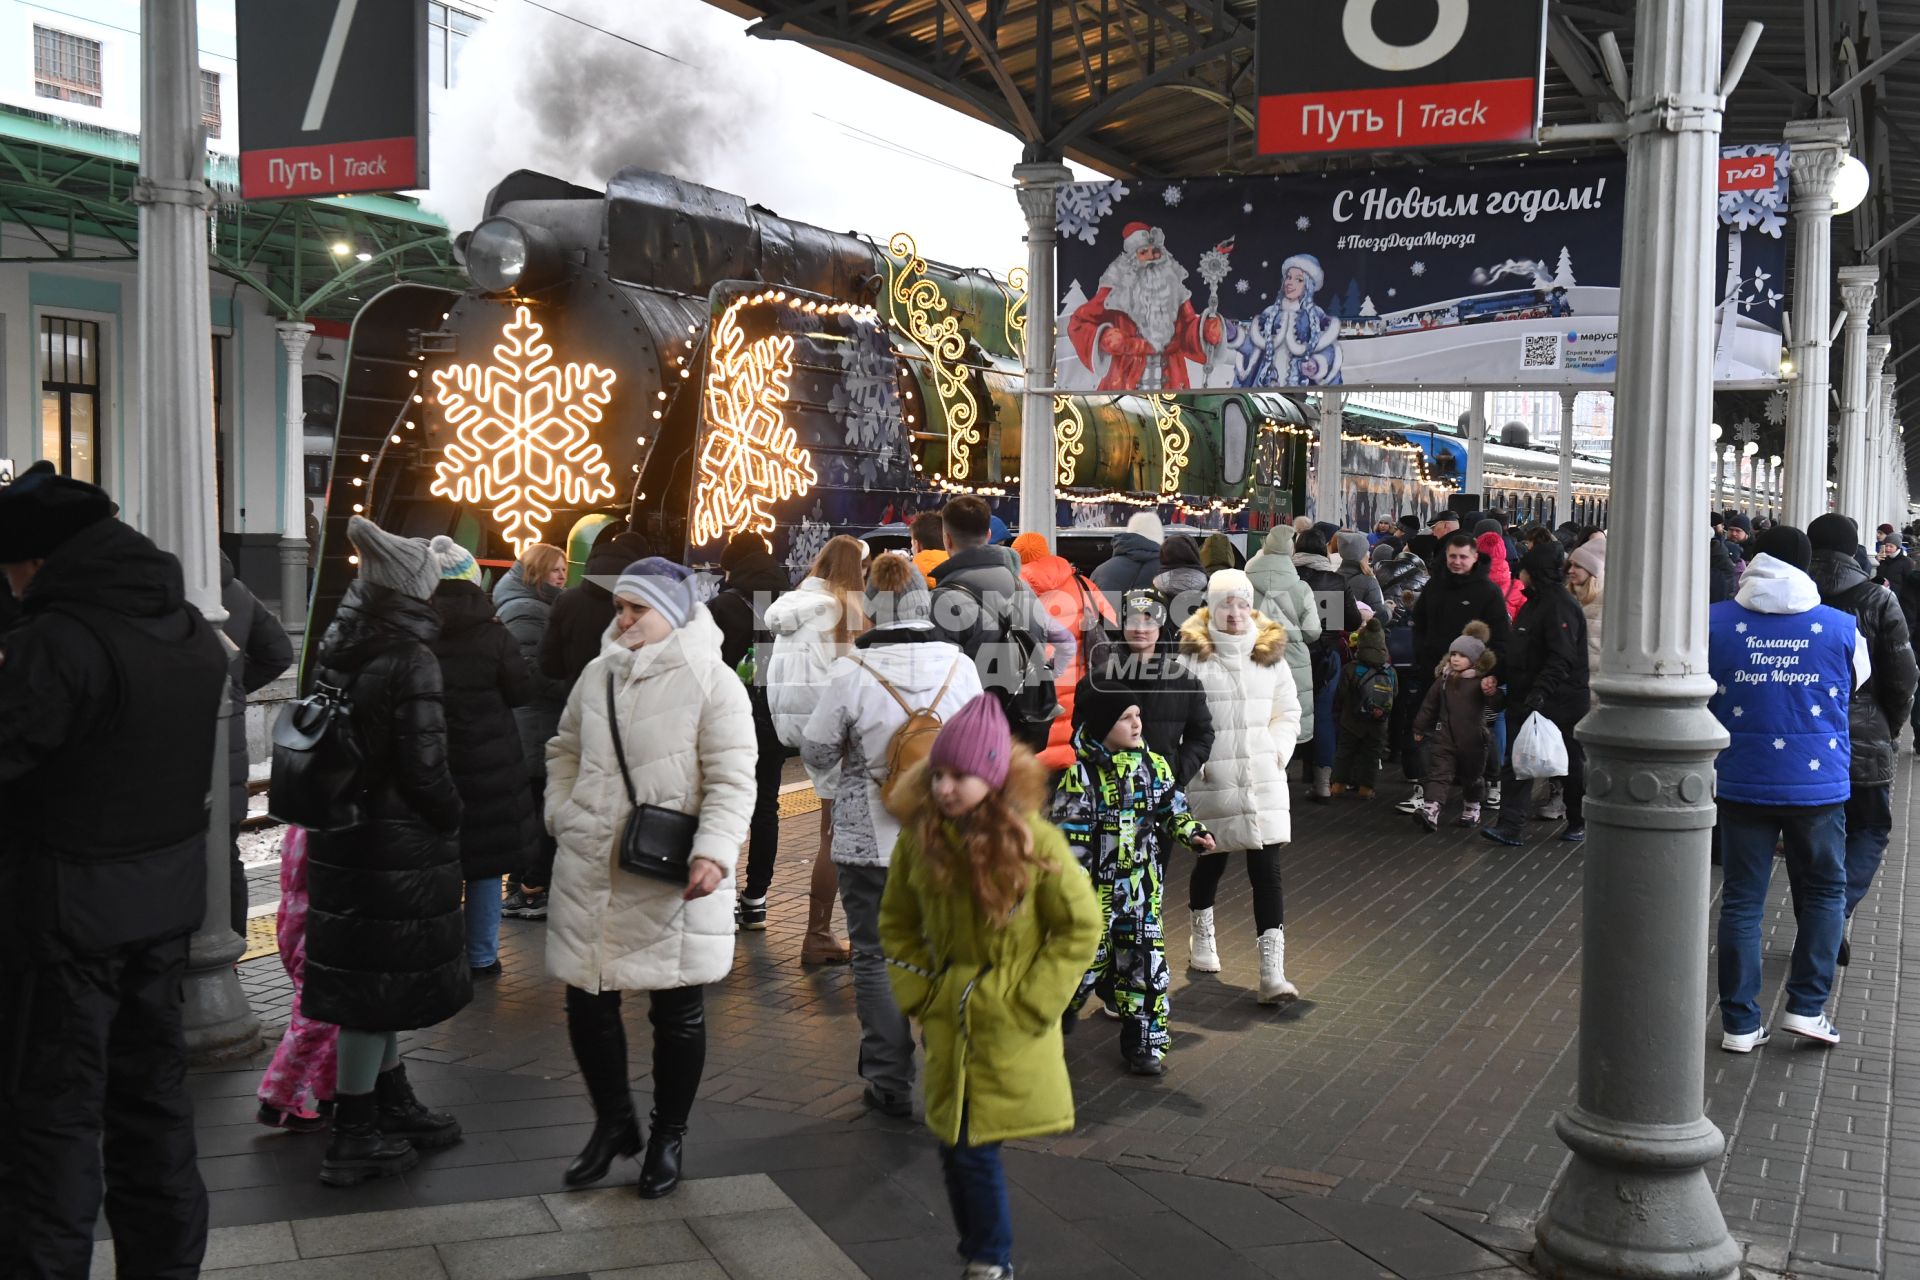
pixel 1204 955
pixel 1322 783
pixel 1274 987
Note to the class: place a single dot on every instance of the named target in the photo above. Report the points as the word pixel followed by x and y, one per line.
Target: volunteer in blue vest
pixel 1784 668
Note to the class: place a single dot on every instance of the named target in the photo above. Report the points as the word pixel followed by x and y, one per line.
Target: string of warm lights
pixel 945 345
pixel 750 457
pixel 521 432
pixel 1175 439
pixel 1069 435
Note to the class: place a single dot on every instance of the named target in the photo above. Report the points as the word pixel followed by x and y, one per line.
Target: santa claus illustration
pixel 1140 330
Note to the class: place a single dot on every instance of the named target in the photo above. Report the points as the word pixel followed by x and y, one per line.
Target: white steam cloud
pixel 781 125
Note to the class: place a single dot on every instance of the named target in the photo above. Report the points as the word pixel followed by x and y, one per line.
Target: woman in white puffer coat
pixel 685 725
pixel 1240 793
pixel 813 626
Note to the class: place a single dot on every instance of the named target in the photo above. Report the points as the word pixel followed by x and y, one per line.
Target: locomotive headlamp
pixel 503 254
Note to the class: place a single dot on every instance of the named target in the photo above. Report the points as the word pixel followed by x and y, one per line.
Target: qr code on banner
pixel 1540 351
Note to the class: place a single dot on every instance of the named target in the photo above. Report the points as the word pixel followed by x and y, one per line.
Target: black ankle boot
pixel 358 1150
pixel 660 1173
pixel 403 1116
pixel 615 1133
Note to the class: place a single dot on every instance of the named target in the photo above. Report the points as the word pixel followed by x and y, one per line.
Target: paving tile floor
pixel 1412 1093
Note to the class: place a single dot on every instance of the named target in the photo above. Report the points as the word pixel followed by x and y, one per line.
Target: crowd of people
pixel 1005 749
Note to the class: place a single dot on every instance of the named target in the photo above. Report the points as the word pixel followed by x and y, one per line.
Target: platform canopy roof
pixel 1165 88
pixel 71 188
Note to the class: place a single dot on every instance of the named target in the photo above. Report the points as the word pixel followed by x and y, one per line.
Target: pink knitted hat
pixel 975 740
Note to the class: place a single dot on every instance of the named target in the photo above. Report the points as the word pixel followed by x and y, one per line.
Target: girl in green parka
pixel 988 923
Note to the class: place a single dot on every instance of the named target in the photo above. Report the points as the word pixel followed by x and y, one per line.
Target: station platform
pixel 1394 1125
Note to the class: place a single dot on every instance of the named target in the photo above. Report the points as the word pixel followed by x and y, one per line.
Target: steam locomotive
pixel 666 354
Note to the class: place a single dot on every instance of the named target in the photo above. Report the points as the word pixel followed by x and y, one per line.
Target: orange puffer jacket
pixel 1079 608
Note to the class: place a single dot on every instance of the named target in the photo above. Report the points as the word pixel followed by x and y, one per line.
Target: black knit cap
pixel 741 548
pixel 43 508
pixel 1833 532
pixel 1097 708
pixel 1787 544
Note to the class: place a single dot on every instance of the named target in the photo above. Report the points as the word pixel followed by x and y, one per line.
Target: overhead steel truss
pixel 71 190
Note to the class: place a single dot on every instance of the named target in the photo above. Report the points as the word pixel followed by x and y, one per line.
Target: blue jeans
pixel 1324 726
pixel 1497 753
pixel 1815 846
pixel 977 1190
pixel 483 922
pixel 1869 827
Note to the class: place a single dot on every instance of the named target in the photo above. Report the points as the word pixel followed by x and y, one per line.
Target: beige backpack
pixel 912 741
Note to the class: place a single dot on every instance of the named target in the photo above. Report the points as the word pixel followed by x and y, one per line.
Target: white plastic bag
pixel 1539 751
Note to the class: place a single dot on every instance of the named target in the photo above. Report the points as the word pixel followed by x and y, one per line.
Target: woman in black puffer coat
pixel 524 598
pixel 386 945
pixel 484 679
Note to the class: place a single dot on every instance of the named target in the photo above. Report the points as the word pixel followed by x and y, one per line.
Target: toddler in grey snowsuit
pixel 1452 722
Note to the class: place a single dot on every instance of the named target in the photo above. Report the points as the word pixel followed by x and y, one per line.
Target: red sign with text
pixel 333 168
pixel 1746 173
pixel 1441 115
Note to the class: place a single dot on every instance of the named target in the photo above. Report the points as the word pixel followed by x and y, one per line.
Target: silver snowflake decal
pixel 1816 708
pixel 1393 293
pixel 1738 712
pixel 1720 689
pixel 1079 207
pixel 1247 207
pixel 1740 627
pixel 1813 764
pixel 1818 628
pixel 807 541
pixel 1746 431
pixel 1241 285
pixel 1833 744
pixel 1417 269
pixel 1300 223
pixel 1172 194
pixel 1775 411
pixel 1779 744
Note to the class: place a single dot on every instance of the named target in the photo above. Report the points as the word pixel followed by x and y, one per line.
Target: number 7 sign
pixel 333 96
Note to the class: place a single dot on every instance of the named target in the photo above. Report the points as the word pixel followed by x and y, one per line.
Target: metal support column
pixel 1037 183
pixel 1327 489
pixel 176 406
pixel 1563 495
pixel 293 496
pixel 1635 1200
pixel 1880 460
pixel 1818 146
pixel 1477 448
pixel 1857 287
pixel 1721 452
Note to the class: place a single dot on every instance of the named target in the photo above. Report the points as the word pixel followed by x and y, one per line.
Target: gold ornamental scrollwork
pixel 1174 440
pixel 1069 437
pixel 1016 292
pixel 929 323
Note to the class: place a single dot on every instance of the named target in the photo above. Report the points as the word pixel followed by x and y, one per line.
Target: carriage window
pixel 1233 459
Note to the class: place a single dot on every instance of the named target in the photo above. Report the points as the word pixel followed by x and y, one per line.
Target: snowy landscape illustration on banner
pixel 1497 273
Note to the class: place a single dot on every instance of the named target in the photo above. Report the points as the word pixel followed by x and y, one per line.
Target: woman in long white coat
pixel 1240 793
pixel 814 626
pixel 682 719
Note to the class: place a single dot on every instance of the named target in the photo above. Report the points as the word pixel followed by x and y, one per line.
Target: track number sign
pixel 1391 75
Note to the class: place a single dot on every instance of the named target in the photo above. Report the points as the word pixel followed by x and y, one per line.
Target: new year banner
pixel 1495 274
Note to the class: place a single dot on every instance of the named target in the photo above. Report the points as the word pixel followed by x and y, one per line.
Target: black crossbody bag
pixel 655 842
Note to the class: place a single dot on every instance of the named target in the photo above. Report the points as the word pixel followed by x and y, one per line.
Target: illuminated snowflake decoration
pixel 750 457
pixel 522 443
pixel 1079 207
pixel 1775 411
pixel 1746 431
pixel 1173 194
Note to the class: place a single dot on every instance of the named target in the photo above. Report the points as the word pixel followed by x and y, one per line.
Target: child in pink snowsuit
pixel 300 1077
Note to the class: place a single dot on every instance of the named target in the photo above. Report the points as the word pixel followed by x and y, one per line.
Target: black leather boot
pixel 404 1116
pixel 660 1173
pixel 613 1135
pixel 358 1150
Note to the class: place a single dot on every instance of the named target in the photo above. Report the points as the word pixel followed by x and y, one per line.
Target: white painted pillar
pixel 293 482
pixel 1857 288
pixel 1818 146
pixel 1879 456
pixel 1563 495
pixel 1037 186
pixel 1477 448
pixel 1720 454
pixel 1327 491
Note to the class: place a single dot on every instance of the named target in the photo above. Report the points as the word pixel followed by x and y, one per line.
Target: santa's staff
pixel 1215 266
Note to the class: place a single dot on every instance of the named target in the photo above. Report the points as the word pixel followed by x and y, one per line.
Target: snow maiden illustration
pixel 1294 342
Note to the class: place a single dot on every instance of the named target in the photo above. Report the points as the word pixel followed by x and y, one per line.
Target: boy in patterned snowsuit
pixel 1117 803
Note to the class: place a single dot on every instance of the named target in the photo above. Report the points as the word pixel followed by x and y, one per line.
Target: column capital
pixel 293 336
pixel 1818 147
pixel 1858 285
pixel 1037 182
pixel 1879 345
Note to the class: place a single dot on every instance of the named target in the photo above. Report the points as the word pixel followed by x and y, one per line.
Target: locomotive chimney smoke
pixel 537 90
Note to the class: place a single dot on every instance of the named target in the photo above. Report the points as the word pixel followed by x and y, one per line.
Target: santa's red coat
pixel 1094 320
